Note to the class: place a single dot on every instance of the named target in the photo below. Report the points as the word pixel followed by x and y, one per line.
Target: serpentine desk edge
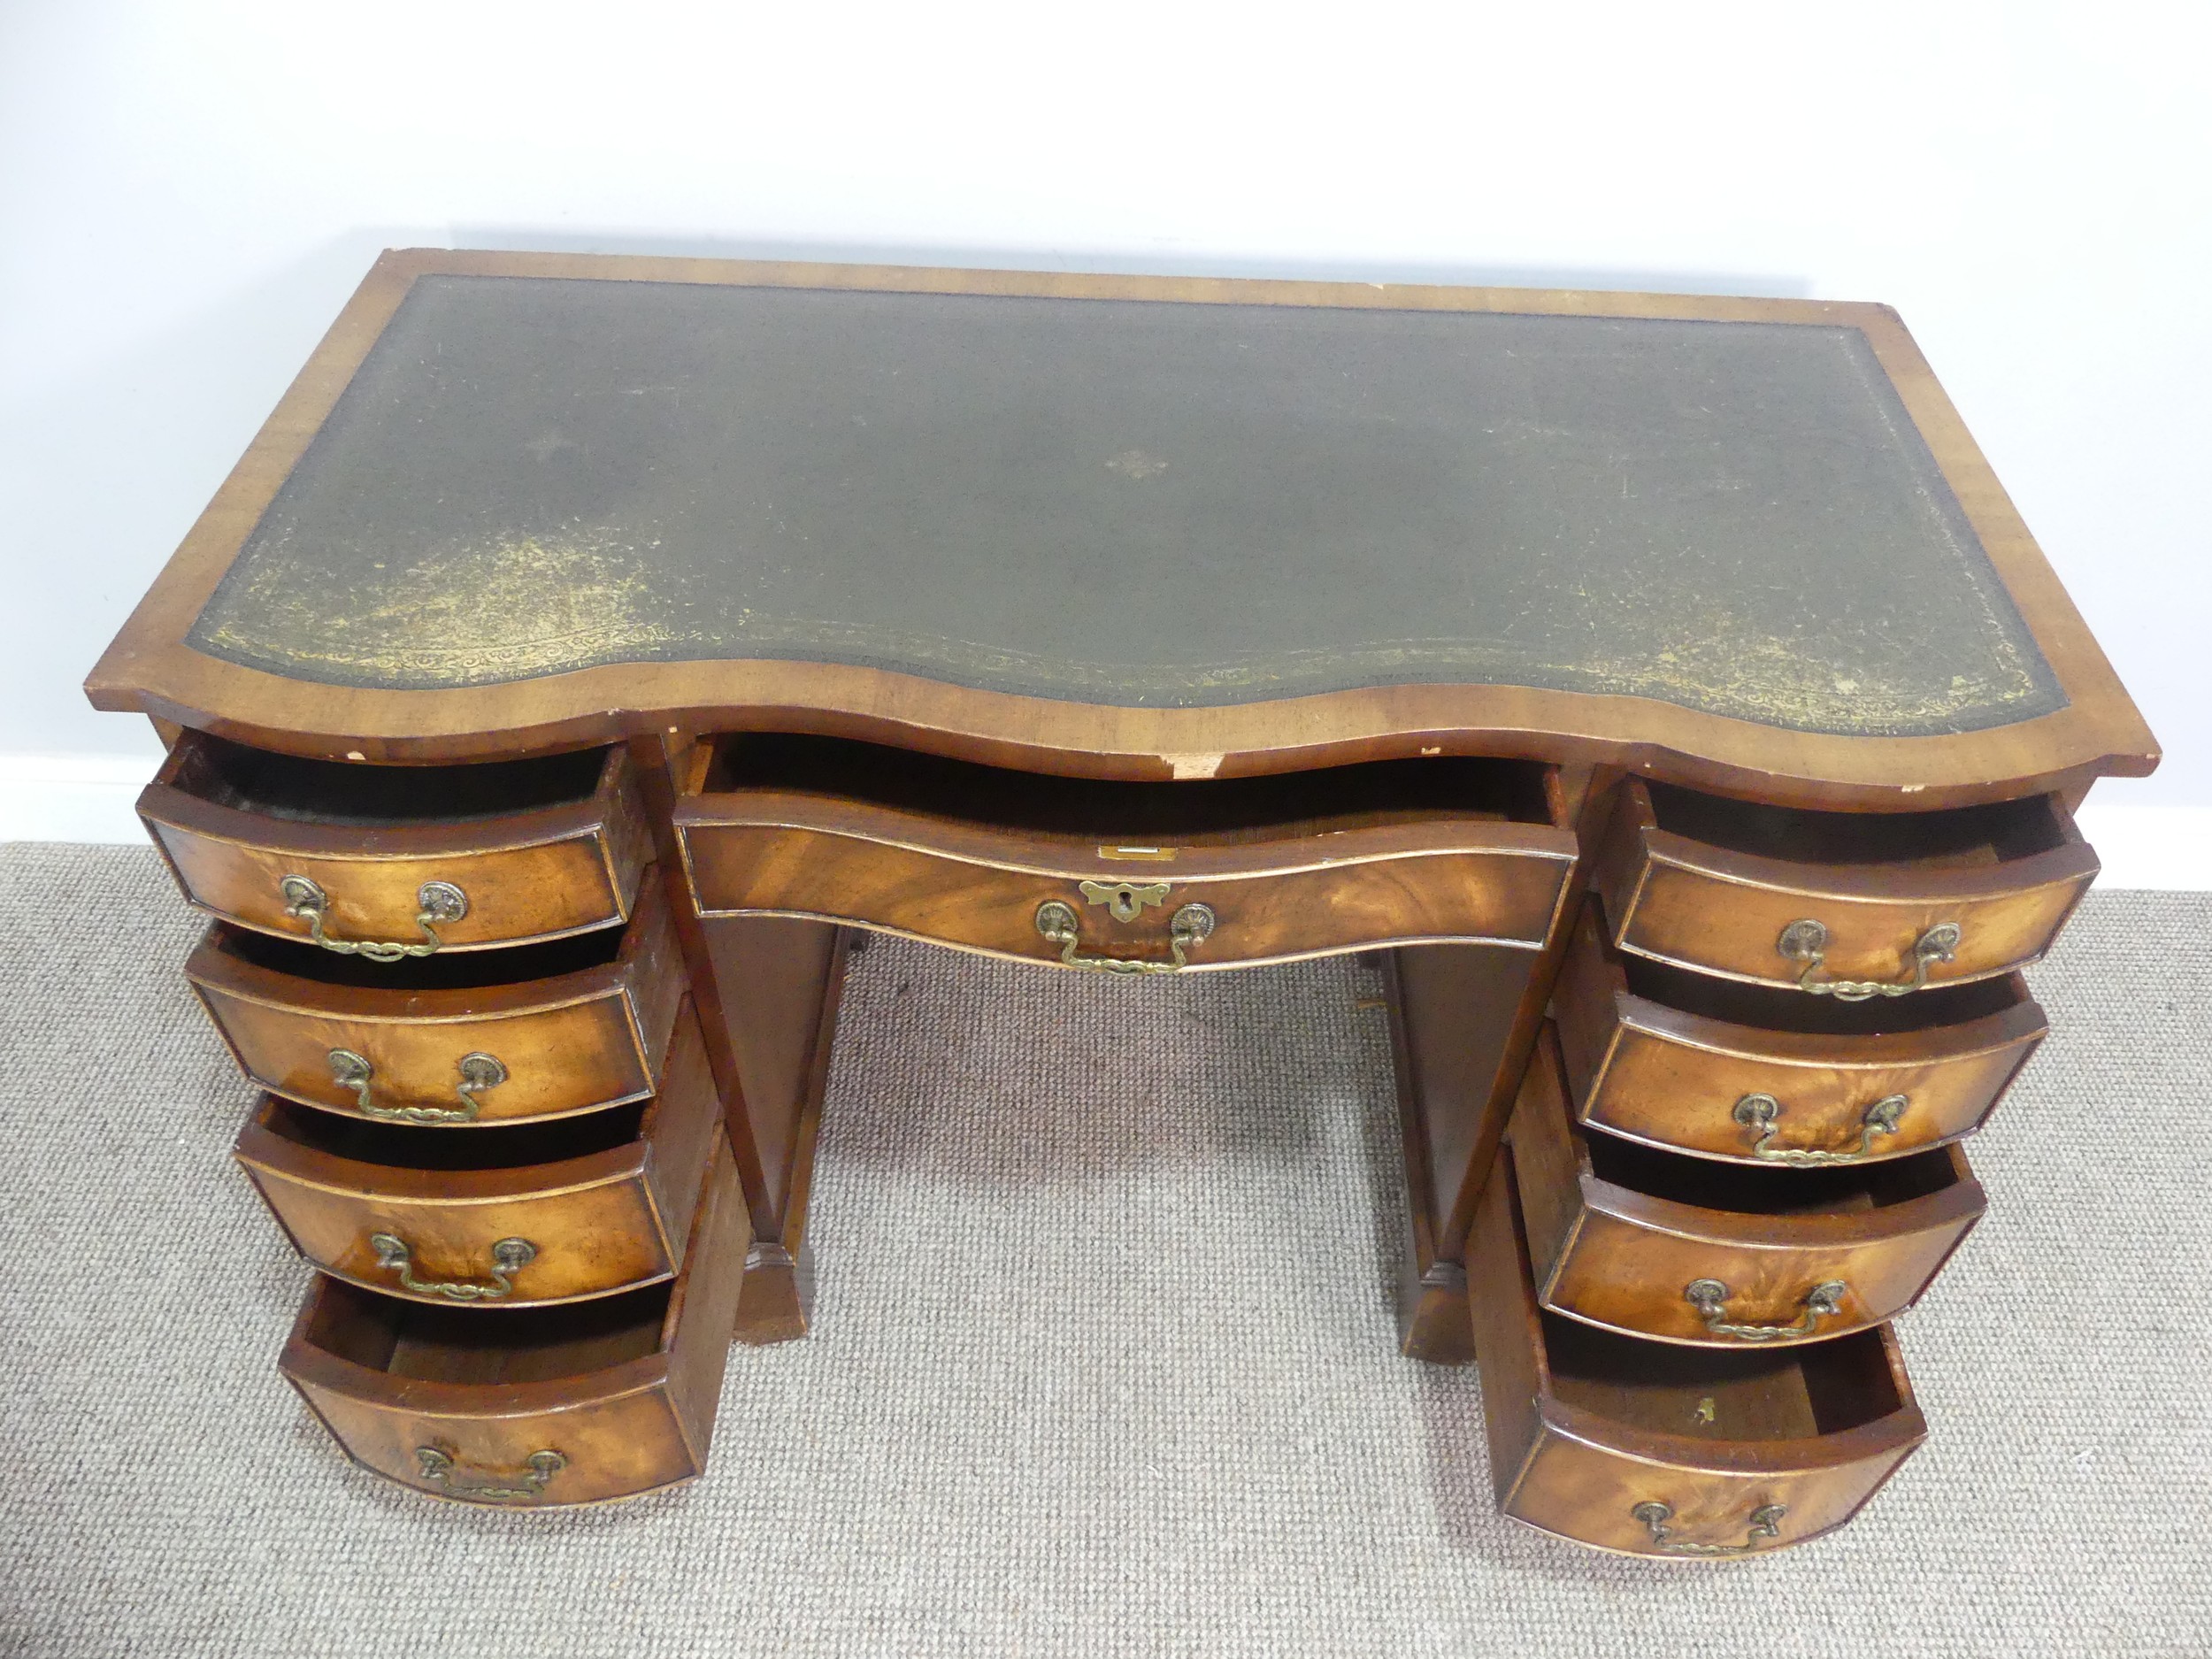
pixel 177 660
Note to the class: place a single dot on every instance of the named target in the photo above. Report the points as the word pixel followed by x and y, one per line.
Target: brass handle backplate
pixel 1806 941
pixel 435 902
pixel 510 1256
pixel 438 1467
pixel 1056 921
pixel 479 1073
pixel 1761 1115
pixel 1766 1522
pixel 1709 1297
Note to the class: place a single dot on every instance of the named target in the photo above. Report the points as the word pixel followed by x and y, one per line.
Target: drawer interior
pixel 1966 838
pixel 486 1345
pixel 1722 1394
pixel 1222 811
pixel 1748 1189
pixel 444 970
pixel 1778 1008
pixel 275 786
pixel 496 1146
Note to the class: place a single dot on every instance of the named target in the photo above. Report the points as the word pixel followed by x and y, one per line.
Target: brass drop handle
pixel 438 1467
pixel 479 1073
pixel 1761 1115
pixel 1766 1522
pixel 1056 921
pixel 510 1256
pixel 436 902
pixel 1709 1297
pixel 1806 941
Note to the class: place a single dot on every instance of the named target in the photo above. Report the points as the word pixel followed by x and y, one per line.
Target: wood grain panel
pixel 622 1392
pixel 599 1222
pixel 1640 1068
pixel 1608 1252
pixel 902 873
pixel 1586 1428
pixel 1452 1015
pixel 532 874
pixel 1722 910
pixel 570 1043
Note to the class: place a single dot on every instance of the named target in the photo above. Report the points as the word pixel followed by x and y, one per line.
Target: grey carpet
pixel 1104 1359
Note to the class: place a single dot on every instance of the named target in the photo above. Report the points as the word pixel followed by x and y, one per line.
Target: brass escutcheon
pixel 479 1073
pixel 1760 1114
pixel 438 1467
pixel 1806 940
pixel 1125 901
pixel 1766 1522
pixel 1709 1297
pixel 436 902
pixel 510 1256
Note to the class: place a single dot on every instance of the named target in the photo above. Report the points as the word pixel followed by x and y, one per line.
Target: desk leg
pixel 1454 1011
pixel 780 979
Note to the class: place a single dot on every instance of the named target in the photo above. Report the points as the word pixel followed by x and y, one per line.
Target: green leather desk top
pixel 1126 526
pixel 1128 502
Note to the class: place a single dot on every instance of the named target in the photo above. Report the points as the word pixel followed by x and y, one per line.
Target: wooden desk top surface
pixel 1125 526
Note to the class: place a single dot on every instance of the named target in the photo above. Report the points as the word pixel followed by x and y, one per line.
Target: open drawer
pixel 1725 1254
pixel 1689 1453
pixel 533 1212
pixel 392 862
pixel 1125 877
pixel 1757 1074
pixel 542 1407
pixel 475 1038
pixel 1849 904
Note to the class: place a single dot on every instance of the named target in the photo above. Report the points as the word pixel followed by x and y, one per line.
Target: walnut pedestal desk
pixel 589 650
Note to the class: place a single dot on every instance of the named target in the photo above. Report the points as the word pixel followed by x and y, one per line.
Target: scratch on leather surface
pixel 469 616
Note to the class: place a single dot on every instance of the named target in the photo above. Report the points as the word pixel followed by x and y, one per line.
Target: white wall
pixel 187 193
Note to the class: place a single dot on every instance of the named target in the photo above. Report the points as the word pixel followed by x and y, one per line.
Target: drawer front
pixel 1632 1262
pixel 1610 1498
pixel 1730 1457
pixel 512 894
pixel 501 1054
pixel 544 1062
pixel 514 1429
pixel 447 1247
pixel 1621 1258
pixel 557 1231
pixel 545 1454
pixel 1825 926
pixel 1655 1082
pixel 1716 1089
pixel 413 888
pixel 1212 909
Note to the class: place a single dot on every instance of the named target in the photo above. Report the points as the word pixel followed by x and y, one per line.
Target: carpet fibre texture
pixel 1104 1357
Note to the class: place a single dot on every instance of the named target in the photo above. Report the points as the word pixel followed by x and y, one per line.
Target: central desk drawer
pixel 1125 877
pixel 539 1212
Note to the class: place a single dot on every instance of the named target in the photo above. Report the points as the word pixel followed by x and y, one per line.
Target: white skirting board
pixel 87 798
pixel 71 797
